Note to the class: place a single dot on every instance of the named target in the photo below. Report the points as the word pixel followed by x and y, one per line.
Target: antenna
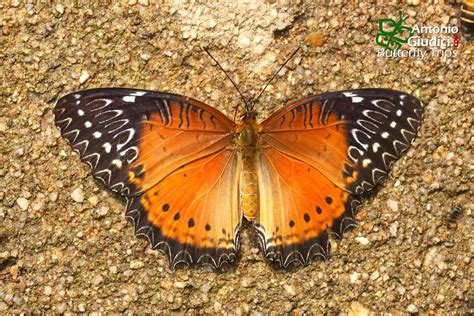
pixel 273 77
pixel 228 77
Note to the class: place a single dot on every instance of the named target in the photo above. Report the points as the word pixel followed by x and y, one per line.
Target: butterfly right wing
pixel 173 159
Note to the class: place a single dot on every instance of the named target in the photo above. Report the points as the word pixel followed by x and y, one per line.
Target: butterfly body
pixel 248 142
pixel 190 174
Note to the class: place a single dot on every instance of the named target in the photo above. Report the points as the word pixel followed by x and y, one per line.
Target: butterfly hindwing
pixel 155 148
pixel 318 156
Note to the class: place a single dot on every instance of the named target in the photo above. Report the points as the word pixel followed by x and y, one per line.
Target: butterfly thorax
pixel 248 141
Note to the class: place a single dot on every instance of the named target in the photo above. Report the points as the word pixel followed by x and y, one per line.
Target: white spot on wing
pixel 129 98
pixel 393 124
pixel 80 112
pixel 139 93
pixel 366 162
pixel 399 113
pixel 385 135
pixel 375 147
pixel 87 124
pixel 357 99
pixel 117 163
pixel 97 134
pixel 77 96
pixel 107 147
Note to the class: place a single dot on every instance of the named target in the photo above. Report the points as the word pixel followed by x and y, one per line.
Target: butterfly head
pixel 248 116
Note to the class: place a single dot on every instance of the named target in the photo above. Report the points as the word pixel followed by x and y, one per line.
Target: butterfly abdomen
pixel 249 191
pixel 248 179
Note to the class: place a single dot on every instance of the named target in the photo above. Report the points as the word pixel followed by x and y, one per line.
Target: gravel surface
pixel 65 245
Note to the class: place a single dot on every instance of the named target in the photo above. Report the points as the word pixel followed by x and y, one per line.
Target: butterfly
pixel 190 174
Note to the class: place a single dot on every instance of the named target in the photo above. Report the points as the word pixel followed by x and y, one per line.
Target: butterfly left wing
pixel 171 157
pixel 318 155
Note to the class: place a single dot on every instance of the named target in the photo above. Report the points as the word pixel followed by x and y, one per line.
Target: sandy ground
pixel 60 255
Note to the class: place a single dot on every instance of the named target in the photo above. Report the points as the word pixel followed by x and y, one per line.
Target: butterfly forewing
pixel 318 156
pixel 171 157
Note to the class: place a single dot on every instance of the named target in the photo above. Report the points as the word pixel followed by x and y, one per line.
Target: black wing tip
pixel 177 254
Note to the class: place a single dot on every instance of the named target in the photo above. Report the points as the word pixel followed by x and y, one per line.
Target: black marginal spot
pixel 318 210
pixel 165 207
pixel 180 114
pixel 155 193
pixel 328 200
pixel 311 115
pixel 304 115
pixel 292 223
pixel 212 120
pixel 185 175
pixel 187 114
pixel 223 231
pixel 191 223
pixel 201 111
pixel 208 227
pixel 176 216
pixel 292 117
pixel 306 217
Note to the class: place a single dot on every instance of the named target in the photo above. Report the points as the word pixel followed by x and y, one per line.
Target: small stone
pixel 166 284
pixel 60 308
pixel 93 200
pixel 357 309
pixel 145 56
pixel 353 277
pixel 48 290
pixel 316 39
pixel 97 280
pixel 290 290
pixel 143 2
pixel 393 205
pixel 244 41
pixel 375 275
pixel 136 264
pixel 23 203
pixel 60 8
pixel 362 240
pixel 205 288
pixel 113 269
pixel 3 307
pixel 53 196
pixel 15 3
pixel 77 195
pixel 3 127
pixel 412 309
pixel 179 285
pixel 212 23
pixel 84 76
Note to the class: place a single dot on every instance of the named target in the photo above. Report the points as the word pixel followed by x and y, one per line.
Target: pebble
pixel 357 309
pixel 77 195
pixel 48 290
pixel 136 264
pixel 93 200
pixel 244 41
pixel 23 203
pixel 143 2
pixel 84 76
pixel 179 285
pixel 205 288
pixel 412 309
pixel 375 275
pixel 3 307
pixel 316 39
pixel 166 284
pixel 362 240
pixel 53 196
pixel 60 8
pixel 393 205
pixel 353 277
pixel 290 290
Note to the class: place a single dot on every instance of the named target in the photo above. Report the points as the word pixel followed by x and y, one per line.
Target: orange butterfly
pixel 190 174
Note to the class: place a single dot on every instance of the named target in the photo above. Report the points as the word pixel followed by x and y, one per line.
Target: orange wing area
pixel 172 158
pixel 193 213
pixel 317 157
